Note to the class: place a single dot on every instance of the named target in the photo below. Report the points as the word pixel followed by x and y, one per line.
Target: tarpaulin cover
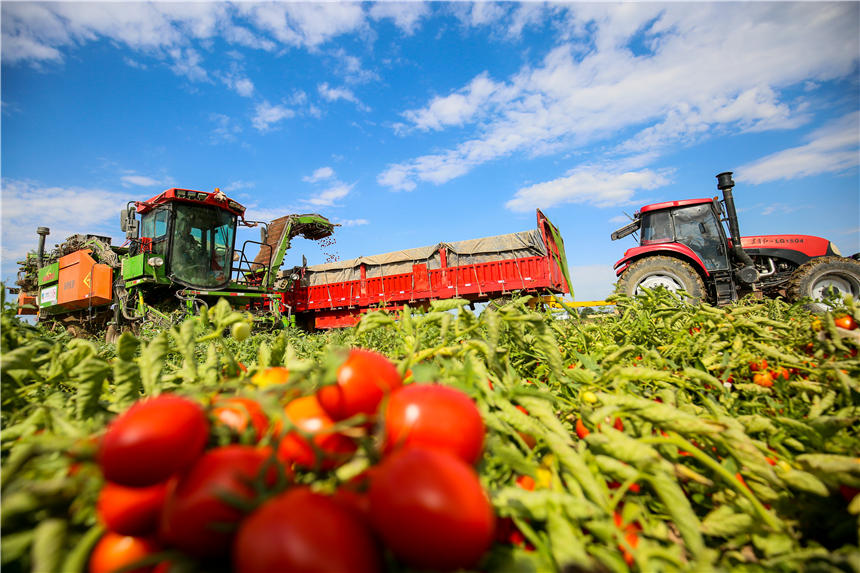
pixel 472 251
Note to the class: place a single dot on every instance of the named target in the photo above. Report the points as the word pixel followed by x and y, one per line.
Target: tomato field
pixel 658 437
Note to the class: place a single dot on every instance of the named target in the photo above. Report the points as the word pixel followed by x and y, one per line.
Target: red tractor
pixel 683 245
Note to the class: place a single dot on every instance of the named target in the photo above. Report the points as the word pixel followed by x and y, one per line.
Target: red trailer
pixel 336 294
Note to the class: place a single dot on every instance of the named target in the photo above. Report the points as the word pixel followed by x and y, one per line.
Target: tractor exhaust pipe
pixel 42 232
pixel 747 273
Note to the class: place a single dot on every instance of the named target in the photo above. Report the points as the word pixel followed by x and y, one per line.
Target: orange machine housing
pixel 83 282
pixel 26 304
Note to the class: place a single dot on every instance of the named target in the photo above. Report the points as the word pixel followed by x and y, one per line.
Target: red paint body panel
pixel 169 196
pixel 677 248
pixel 466 281
pixel 806 244
pixel 670 204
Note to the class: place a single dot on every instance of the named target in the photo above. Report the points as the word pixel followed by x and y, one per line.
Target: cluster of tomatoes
pixel 172 496
pixel 762 376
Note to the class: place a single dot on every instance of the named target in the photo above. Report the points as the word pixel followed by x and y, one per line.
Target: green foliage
pixel 715 471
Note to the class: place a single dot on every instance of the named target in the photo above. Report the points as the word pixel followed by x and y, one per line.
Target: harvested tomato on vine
pixel 434 416
pixel 363 380
pixel 152 440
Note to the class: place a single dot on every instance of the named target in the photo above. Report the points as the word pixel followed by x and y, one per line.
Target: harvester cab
pixel 186 237
pixel 695 245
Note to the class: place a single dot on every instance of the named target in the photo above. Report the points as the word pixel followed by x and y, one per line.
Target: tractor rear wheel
pixel 823 276
pixel 659 271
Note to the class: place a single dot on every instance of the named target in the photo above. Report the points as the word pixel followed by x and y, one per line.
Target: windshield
pixel 202 245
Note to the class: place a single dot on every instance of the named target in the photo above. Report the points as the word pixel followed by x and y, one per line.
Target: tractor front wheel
pixel 659 271
pixel 822 277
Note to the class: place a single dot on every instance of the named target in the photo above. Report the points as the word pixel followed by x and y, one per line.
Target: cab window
pixel 657 228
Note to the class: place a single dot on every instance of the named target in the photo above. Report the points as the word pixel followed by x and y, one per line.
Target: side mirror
pixel 129 223
pixel 264 234
pixel 304 261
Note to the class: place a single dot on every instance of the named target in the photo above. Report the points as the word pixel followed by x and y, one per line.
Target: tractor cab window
pixel 202 245
pixel 698 228
pixel 656 228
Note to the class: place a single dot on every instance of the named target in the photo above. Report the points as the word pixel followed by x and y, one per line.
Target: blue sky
pixel 413 123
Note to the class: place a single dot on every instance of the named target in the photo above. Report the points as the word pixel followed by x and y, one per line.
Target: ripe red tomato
pixel 353 494
pixel 300 530
pixel 434 416
pixel 196 518
pixel 581 430
pixel 847 322
pixel 237 412
pixel 631 536
pixel 131 510
pixel 307 415
pixel 759 366
pixel 526 482
pixel 152 440
pixel 430 509
pixel 363 380
pixel 114 552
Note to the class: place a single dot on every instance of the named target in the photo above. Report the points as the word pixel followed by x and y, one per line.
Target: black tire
pixel 813 279
pixel 669 272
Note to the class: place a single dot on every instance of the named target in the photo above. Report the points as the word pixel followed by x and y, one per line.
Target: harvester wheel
pixel 111 334
pixel 659 271
pixel 818 278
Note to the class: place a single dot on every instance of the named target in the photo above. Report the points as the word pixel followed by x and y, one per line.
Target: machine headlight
pixel 156 262
pixel 835 250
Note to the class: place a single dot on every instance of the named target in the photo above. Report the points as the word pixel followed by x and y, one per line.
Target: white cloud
pixel 405 15
pixel 833 148
pixel 457 108
pixel 239 83
pixel 350 67
pixel 526 14
pixel 187 63
pixel 328 196
pixel 305 24
pixel 320 174
pixel 267 115
pixel 331 191
pixel 588 185
pixel 65 210
pixel 41 33
pixel 350 222
pixel 139 181
pixel 781 208
pixel 225 130
pixel 132 63
pixel 238 186
pixel 657 73
pixel 475 14
pixel 334 94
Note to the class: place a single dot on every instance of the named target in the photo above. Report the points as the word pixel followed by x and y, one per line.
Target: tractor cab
pixel 694 223
pixel 188 235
